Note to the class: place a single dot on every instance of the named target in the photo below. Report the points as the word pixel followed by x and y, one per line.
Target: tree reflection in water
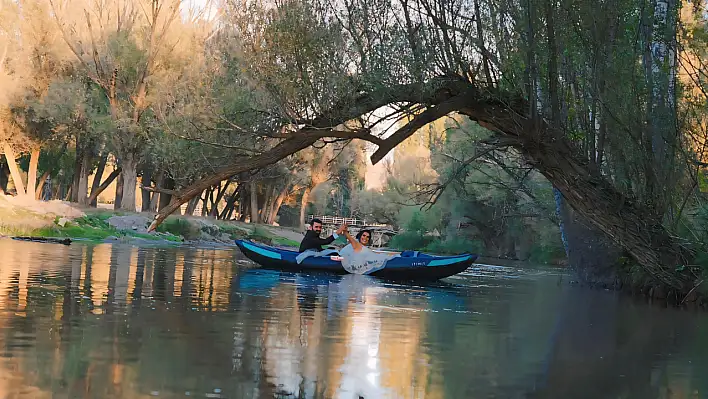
pixel 116 321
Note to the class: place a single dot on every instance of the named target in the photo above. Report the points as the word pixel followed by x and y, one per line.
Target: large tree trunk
pixel 14 170
pixel 254 201
pixel 130 180
pixel 591 254
pixel 636 229
pixel 32 173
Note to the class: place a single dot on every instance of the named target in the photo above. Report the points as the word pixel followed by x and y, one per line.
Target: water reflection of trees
pixel 118 321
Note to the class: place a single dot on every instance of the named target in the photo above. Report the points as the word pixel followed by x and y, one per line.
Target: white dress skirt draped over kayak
pixel 365 261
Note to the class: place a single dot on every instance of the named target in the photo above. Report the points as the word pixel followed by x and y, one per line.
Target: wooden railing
pixel 338 220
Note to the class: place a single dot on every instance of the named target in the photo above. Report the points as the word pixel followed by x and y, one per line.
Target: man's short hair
pixel 315 221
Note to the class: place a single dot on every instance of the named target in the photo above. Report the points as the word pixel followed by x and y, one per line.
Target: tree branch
pixel 429 115
pixel 160 190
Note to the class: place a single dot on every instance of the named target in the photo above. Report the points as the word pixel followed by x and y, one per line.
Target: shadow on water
pixel 115 321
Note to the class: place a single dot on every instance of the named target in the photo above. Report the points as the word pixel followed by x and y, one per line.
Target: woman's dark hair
pixel 359 234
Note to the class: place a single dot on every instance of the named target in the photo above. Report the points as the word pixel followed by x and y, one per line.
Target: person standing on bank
pixel 312 240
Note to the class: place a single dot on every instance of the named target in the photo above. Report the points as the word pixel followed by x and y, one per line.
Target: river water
pixel 116 321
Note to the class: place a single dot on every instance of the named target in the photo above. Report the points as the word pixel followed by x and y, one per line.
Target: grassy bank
pixel 95 227
pixel 61 220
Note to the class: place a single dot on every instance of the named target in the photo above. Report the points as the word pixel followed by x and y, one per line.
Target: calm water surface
pixel 113 321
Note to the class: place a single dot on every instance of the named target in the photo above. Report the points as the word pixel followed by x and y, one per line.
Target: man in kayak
pixel 312 240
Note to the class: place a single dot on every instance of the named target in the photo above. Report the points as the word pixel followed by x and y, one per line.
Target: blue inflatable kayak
pixel 409 266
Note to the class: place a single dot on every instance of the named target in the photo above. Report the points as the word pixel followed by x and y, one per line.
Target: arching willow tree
pixel 587 93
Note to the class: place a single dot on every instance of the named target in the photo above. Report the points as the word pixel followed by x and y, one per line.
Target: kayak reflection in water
pixel 358 258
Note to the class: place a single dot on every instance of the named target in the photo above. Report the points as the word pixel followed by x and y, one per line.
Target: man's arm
pixel 334 236
pixel 325 241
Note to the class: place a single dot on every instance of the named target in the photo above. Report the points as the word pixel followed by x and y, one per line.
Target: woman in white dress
pixel 356 256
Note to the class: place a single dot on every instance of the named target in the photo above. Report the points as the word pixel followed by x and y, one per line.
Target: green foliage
pixel 96 220
pixel 94 228
pixel 545 252
pixel 179 227
pixel 76 231
pixel 455 245
pixel 702 260
pixel 703 181
pixel 262 234
pixel 285 242
pixel 419 242
pixel 410 240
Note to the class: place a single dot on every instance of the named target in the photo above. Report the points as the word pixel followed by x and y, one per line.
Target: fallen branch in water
pixel 64 241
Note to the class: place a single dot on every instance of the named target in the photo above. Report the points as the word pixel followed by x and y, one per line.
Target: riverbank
pixel 60 219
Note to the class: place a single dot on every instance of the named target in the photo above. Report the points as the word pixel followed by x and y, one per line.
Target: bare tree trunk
pixel 83 179
pixel 276 206
pixel 205 201
pixel 215 210
pixel 230 204
pixel 228 212
pixel 32 174
pixel 254 201
pixel 79 190
pixel 212 201
pixel 245 210
pixel 168 183
pixel 97 178
pixel 130 180
pixel 303 205
pixel 14 170
pixel 93 198
pixel 268 203
pixel 191 206
pixel 74 197
pixel 156 198
pixel 4 177
pixel 154 201
pixel 119 192
pixel 40 184
pixel 146 195
pixel 243 191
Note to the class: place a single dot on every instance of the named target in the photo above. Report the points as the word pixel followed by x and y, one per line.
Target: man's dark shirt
pixel 312 240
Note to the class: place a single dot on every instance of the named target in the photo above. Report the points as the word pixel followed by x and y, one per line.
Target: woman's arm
pixel 353 241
